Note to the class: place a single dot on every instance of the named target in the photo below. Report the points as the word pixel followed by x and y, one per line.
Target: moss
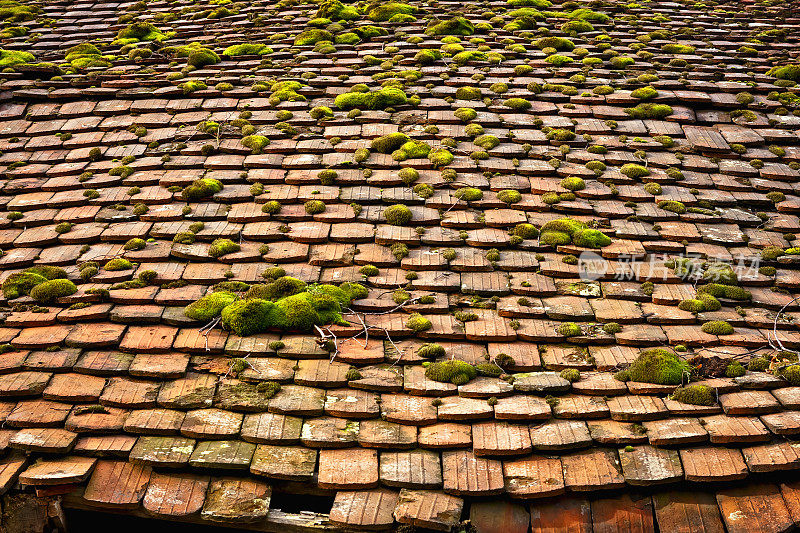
pixel 722 273
pixel 440 157
pixel 272 207
pixel 469 194
pixel 771 253
pixel 487 142
pixel 385 12
pixel 758 364
pixel 209 306
pixel 117 264
pixel 200 189
pixel 717 327
pixel 397 215
pixel 135 244
pixel 247 49
pixel 417 322
pixel 220 247
pixel 451 371
pixel 570 374
pixel 569 329
pixel 411 150
pixel 785 72
pixel 612 328
pixel 735 369
pixel 573 183
pixel 695 395
pixel 566 225
pixel 488 369
pixel 517 104
pixel 314 207
pixel 313 36
pixel 653 188
pixel 560 44
pixel 389 143
pixel 21 283
pixel 730 292
pixel 591 238
pixel 465 114
pixel 427 56
pixel 468 93
pixel 50 290
pixel 454 26
pixel 380 99
pixel 526 231
pixel 256 143
pixel 369 270
pixel 431 351
pixel 83 56
pixel 633 171
pixel 249 316
pixel 408 175
pixel 660 366
pixel 791 374
pixel 672 206
pixel 509 196
pixel 554 238
pixel 649 111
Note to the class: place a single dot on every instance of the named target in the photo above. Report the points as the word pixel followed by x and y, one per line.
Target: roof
pixel 113 399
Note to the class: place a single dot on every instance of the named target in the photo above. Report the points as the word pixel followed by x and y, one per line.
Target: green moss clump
pixel 272 207
pixel 649 111
pixel 560 44
pixel 268 388
pixel 200 189
pixel 451 371
pixel 397 215
pixel 140 31
pixel 735 369
pixel 417 322
pixel 673 206
pixel 695 395
pixel 509 196
pixel 591 238
pixel 730 292
pixel 758 364
pixel 20 284
pixel 525 231
pixel 785 72
pixel 612 328
pixel 256 143
pixel 570 374
pixel 83 56
pixel 573 183
pixel 9 58
pixel 314 207
pixel 454 26
pixel 722 273
pixel 369 271
pixel 385 12
pixel 431 351
pixel 469 194
pixel 554 238
pixel 660 366
pixel 336 10
pixel 717 327
pixel 569 329
pixel 440 157
pixel 246 317
pixel 771 253
pixel 517 104
pixel 135 244
pixel 653 188
pixel 380 99
pixel 465 114
pixel 389 143
pixel 633 171
pixel 220 247
pixel 52 289
pixel 312 36
pixel 247 49
pixel 209 306
pixel 117 264
pixel 791 374
pixel 411 150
